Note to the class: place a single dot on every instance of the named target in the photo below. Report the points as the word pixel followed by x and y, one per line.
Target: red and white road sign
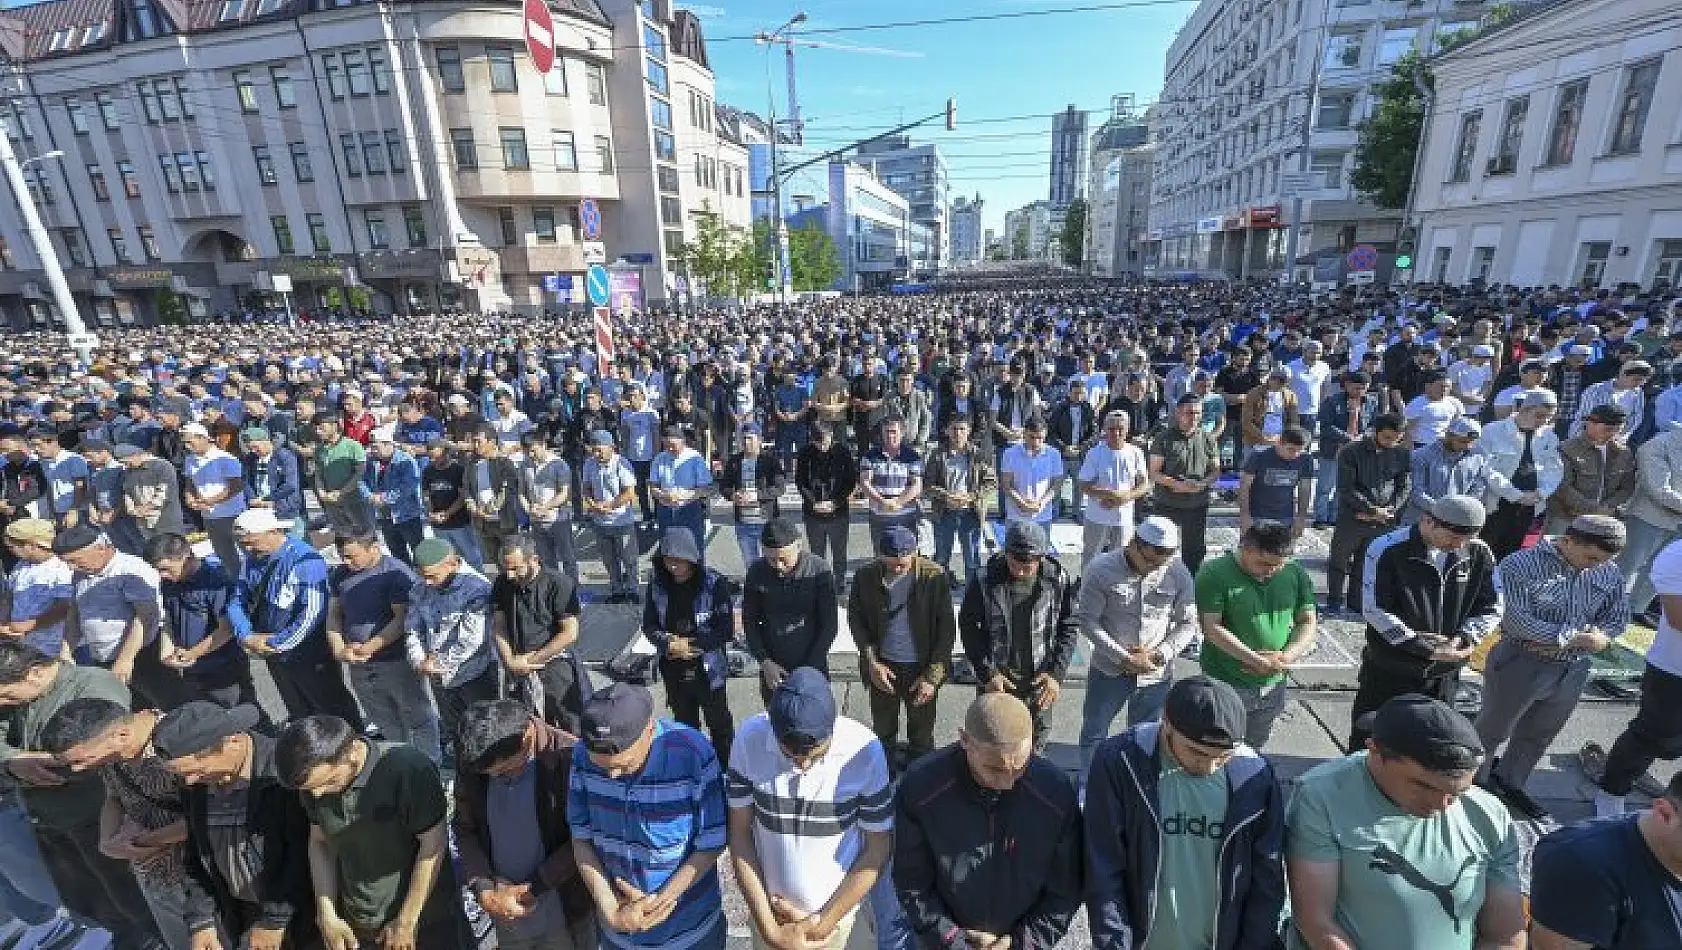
pixel 540 35
pixel 604 341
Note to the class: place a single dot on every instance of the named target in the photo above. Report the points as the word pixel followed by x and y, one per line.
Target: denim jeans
pixel 747 538
pixel 1325 490
pixel 893 931
pixel 1636 560
pixel 962 526
pixel 398 702
pixel 466 543
pixel 1106 694
pixel 26 888
pixel 618 547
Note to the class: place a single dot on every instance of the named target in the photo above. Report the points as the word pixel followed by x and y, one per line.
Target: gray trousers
pixel 1095 539
pixel 1636 559
pixel 168 903
pixel 555 548
pixel 827 537
pixel 1262 706
pixel 221 531
pixel 1527 700
pixel 351 514
pixel 618 548
pixel 398 701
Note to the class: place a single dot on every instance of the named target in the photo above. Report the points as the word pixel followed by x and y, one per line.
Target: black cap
pixel 672 432
pixel 1025 539
pixel 75 538
pixel 1364 379
pixel 1206 711
pixel 897 540
pixel 614 718
pixel 200 726
pixel 779 533
pixel 1608 413
pixel 1427 731
pixel 1188 399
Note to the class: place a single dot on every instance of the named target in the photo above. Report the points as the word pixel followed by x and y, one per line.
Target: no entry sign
pixel 540 35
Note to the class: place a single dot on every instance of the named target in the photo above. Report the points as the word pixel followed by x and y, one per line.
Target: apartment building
pixel 919 174
pixel 871 226
pixel 1259 111
pixel 404 156
pixel 967 249
pixel 1068 157
pixel 1553 152
pixel 1118 193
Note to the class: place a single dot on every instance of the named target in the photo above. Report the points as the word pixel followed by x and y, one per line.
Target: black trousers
pixel 827 538
pixel 309 689
pixel 561 703
pixel 402 536
pixel 96 886
pixel 1654 733
pixel 1378 683
pixel 1347 558
pixel 1194 528
pixel 454 700
pixel 692 698
pixel 227 687
pixel 644 502
pixel 919 720
pixel 1506 527
pixel 156 686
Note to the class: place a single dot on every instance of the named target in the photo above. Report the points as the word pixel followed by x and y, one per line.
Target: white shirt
pixel 35 588
pixel 1666 651
pixel 805 861
pixel 1432 418
pixel 1309 383
pixel 1031 477
pixel 1469 379
pixel 210 473
pixel 1114 470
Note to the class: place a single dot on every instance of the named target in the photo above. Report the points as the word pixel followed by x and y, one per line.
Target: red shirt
pixel 359 428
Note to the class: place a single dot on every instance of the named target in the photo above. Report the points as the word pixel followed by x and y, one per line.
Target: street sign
pixel 604 341
pixel 282 283
pixel 590 216
pixel 81 341
pixel 1362 277
pixel 540 35
pixel 597 285
pixel 552 283
pixel 595 252
pixel 1363 257
pixel 1291 183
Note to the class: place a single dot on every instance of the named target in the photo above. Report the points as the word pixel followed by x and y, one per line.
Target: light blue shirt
pixel 687 471
pixel 210 474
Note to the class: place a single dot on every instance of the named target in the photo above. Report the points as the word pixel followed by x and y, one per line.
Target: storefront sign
pixel 1266 216
pixel 409 264
pixel 480 267
pixel 1208 225
pixel 139 278
pixel 310 268
pixel 1232 222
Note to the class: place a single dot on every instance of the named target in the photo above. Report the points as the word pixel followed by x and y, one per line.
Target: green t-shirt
pixel 338 461
pixel 1404 882
pixel 1261 614
pixel 1192 809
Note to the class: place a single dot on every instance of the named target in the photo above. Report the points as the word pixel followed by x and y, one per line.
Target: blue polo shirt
pixel 193 608
pixel 366 599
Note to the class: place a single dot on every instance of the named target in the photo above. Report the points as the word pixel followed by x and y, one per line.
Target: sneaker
pixel 1519 800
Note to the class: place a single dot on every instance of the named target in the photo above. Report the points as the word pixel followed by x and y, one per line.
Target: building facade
pixel 1259 109
pixel 1118 193
pixel 967 248
pixel 1068 157
pixel 1030 231
pixel 870 224
pixel 398 156
pixel 1553 153
pixel 919 174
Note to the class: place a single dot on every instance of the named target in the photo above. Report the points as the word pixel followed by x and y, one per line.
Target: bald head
pixel 1000 720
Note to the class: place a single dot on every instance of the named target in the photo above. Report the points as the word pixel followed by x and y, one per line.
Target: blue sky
pixel 998 70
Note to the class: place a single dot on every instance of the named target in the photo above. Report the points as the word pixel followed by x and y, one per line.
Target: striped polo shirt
pixel 643 827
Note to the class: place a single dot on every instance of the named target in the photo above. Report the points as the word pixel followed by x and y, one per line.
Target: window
pixel 414 223
pixel 514 148
pixel 283 91
pixel 1668 269
pixel 461 141
pixel 108 112
pixel 396 153
pixel 265 165
pixel 503 78
pixel 266 7
pixel 1595 255
pixel 373 153
pixel 555 80
pixel 74 249
pixel 450 75
pixel 604 154
pixel 1512 137
pixel 674 243
pixel 318 233
pixel 595 83
pixel 353 154
pixel 335 78
pixel 378 237
pixel 1568 118
pixel 1632 106
pixel 282 233
pixel 657 78
pixel 543 224
pixel 119 244
pixel 93 33
pixel 183 97
pixel 1395 43
pixel 78 118
pixel 172 173
pixel 671 211
pixel 665 147
pixel 149 101
pixel 510 231
pixel 96 177
pixel 654 40
pixel 205 171
pixel 1343 51
pixel 381 70
pixel 1467 146
pixel 667 177
pixel 1440 266
pixel 356 74
pixel 1483 258
pixel 167 104
pixel 1335 111
pixel 149 244
pixel 60 40
pixel 7 261
pixel 131 181
pixel 301 162
pixel 1326 169
pixel 661 112
pixel 189 171
pixel 566 154
pixel 231 10
pixel 144 25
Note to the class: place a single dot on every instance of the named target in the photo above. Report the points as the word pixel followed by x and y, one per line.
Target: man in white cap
pixel 1114 474
pixel 1138 610
pixel 1447 466
pixel 1524 469
pixel 393 478
pixel 215 488
pixel 1470 379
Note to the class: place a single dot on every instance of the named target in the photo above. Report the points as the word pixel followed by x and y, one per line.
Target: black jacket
pixel 968 858
pixel 279 836
pixel 825 476
pixel 1060 432
pixel 768 481
pixel 1124 846
pixel 1404 593
pixel 990 643
pixel 1370 477
pixel 791 620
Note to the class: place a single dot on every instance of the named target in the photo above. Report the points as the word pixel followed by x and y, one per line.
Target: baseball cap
pixel 1159 532
pixel 1427 731
pixel 802 710
pixel 75 538
pixel 193 428
pixel 1025 539
pixel 897 541
pixel 1462 512
pixel 1206 711
pixel 1464 425
pixel 457 399
pixel 200 726
pixel 779 533
pixel 1533 366
pixel 614 718
pixel 126 451
pixel 260 521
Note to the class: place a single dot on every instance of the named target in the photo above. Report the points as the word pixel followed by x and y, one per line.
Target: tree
pixel 1389 141
pixel 1073 238
pixel 721 256
pixel 1019 243
pixel 813 257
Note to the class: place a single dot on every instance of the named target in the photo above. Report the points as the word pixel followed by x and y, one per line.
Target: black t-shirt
pixel 1598 883
pixel 442 486
pixel 1232 381
pixel 534 610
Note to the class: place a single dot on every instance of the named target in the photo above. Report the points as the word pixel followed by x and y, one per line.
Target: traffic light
pixel 1406 244
pixel 951 114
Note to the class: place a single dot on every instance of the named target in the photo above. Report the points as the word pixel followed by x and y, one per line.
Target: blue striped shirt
pixel 645 826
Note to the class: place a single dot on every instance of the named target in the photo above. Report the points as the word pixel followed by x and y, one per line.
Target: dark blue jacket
pixel 1334 416
pixel 286 488
pixel 1124 846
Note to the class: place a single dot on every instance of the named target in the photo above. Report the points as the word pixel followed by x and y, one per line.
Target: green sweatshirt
pixel 78 800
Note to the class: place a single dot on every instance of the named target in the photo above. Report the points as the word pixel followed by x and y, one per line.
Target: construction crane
pixel 784 36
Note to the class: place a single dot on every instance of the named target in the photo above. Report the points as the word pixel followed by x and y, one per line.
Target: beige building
pixel 405 155
pixel 1553 154
pixel 1118 194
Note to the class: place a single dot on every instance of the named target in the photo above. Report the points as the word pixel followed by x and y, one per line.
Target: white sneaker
pixel 1607 805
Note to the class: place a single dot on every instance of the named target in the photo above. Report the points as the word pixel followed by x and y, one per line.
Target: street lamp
pixel 44 156
pixel 779 226
pixel 80 339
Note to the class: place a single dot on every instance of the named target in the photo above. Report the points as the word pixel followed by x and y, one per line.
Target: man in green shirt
pixel 1256 608
pixel 1395 848
pixel 379 850
pixel 339 462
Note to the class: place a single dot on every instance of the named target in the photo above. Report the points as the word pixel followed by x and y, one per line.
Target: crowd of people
pixel 385 520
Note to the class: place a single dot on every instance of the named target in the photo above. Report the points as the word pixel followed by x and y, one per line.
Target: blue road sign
pixel 590 215
pixel 552 283
pixel 596 285
pixel 1363 257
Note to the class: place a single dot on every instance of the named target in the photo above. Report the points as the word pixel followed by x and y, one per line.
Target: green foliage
pixel 721 256
pixel 1073 238
pixel 172 310
pixel 813 257
pixel 1389 141
pixel 1019 243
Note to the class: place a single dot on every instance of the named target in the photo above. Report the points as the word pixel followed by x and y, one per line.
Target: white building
pixel 1258 92
pixel 919 174
pixel 870 224
pixel 1118 193
pixel 1030 232
pixel 967 248
pixel 402 154
pixel 1554 151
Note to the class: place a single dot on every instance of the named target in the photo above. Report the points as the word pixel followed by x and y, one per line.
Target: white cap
pixel 1159 532
pixel 1483 350
pixel 193 428
pixel 385 434
pixel 457 400
pixel 260 521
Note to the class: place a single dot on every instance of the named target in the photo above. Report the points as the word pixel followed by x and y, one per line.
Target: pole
pixel 1292 236
pixel 80 339
pixel 798 133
